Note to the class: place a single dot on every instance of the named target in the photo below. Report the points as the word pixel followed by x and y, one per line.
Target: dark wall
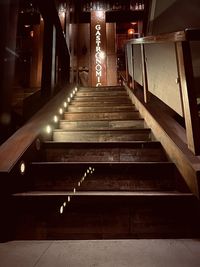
pixel 174 15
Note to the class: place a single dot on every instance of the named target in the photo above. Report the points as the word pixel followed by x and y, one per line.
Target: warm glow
pixel 22 167
pixel 55 119
pixel 61 210
pixel 48 129
pixel 68 99
pixel 131 31
pixel 65 104
pixel 60 111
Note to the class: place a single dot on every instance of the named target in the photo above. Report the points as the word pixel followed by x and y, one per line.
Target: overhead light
pixel 27 26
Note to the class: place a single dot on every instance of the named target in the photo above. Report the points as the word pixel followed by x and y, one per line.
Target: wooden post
pixel 144 75
pixel 185 69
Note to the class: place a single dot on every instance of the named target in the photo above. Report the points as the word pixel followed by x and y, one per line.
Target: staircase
pixel 103 176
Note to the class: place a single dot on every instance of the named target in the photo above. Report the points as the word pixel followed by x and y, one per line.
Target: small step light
pixel 48 129
pixel 68 198
pixel 68 99
pixel 74 190
pixel 76 89
pixel 22 167
pixel 64 204
pixel 55 119
pixel 60 111
pixel 79 183
pixel 71 95
pixel 61 209
pixel 65 104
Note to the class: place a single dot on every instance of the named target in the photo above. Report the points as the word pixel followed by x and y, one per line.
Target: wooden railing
pixel 173 62
pixel 24 145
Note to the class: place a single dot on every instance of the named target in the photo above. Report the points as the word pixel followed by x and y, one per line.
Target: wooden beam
pixel 144 75
pixel 185 69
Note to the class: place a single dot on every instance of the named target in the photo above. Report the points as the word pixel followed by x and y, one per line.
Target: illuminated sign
pixel 98 55
pixel 98 49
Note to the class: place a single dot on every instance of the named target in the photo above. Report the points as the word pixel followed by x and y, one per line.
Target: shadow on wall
pixel 176 15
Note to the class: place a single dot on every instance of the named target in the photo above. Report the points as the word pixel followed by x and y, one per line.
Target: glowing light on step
pixel 74 190
pixel 76 89
pixel 68 99
pixel 64 204
pixel 55 119
pixel 22 167
pixel 71 95
pixel 48 129
pixel 60 111
pixel 61 209
pixel 88 171
pixel 68 198
pixel 79 183
pixel 65 104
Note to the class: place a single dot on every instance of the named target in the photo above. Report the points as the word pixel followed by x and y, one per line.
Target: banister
pixel 14 148
pixel 181 41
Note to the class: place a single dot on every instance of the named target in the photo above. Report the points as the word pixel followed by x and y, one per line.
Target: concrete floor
pixel 105 253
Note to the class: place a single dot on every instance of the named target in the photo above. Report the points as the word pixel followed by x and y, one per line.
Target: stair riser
pixel 102 99
pixel 101 109
pixel 134 124
pixel 111 217
pixel 100 104
pixel 105 155
pixel 102 116
pixel 102 94
pixel 106 177
pixel 102 89
pixel 89 137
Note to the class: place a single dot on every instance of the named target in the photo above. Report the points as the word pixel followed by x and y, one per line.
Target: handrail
pixel 190 34
pixel 17 145
pixel 181 40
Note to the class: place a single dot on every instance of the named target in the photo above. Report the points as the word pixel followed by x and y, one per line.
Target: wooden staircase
pixel 103 176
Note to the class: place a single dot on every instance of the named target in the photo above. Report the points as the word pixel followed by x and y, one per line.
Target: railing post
pixel 144 75
pixel 185 69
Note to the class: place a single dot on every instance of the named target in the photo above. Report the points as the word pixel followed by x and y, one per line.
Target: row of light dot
pixel 22 165
pixel 61 110
pixel 88 172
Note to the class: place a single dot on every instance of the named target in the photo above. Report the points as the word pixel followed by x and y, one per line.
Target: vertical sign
pixel 98 49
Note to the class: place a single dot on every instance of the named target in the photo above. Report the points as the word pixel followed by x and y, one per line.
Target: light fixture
pixel 76 89
pixel 55 119
pixel 68 199
pixel 74 190
pixel 26 26
pixel 22 167
pixel 65 104
pixel 60 111
pixel 71 95
pixel 48 129
pixel 131 31
pixel 61 209
pixel 68 99
pixel 64 204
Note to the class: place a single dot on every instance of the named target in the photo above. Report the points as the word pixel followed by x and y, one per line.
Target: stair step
pixel 101 104
pixel 119 176
pixel 124 152
pixel 101 115
pixel 104 215
pixel 101 109
pixel 101 135
pixel 101 124
pixel 102 89
pixel 121 99
pixel 102 94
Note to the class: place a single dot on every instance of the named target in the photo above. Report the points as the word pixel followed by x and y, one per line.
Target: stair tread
pixel 104 130
pixel 106 193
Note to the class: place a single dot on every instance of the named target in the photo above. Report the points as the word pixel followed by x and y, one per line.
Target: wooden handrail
pixel 181 39
pixel 179 36
pixel 14 148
